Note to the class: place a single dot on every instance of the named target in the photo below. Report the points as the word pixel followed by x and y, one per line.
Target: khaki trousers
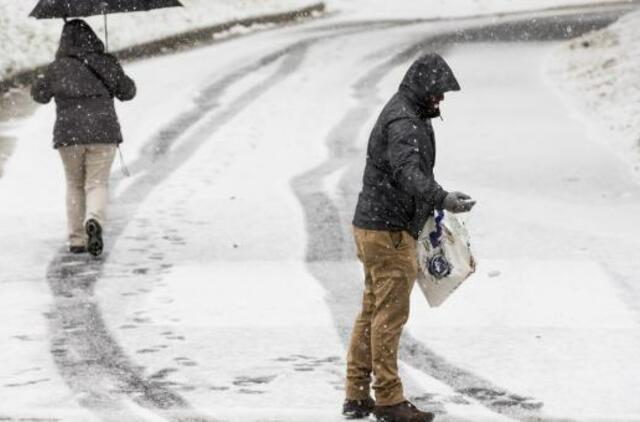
pixel 87 169
pixel 390 269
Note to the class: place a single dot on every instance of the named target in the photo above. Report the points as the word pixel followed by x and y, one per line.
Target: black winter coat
pixel 399 190
pixel 84 80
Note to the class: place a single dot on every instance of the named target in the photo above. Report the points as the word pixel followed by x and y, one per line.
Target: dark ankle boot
pixel 358 409
pixel 403 412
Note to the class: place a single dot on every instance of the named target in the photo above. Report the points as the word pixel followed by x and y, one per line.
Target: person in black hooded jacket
pixel 84 81
pixel 399 194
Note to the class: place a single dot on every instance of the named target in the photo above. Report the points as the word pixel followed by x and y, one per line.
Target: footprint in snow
pixel 252 381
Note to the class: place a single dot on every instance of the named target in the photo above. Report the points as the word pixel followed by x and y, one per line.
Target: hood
pixel 78 39
pixel 428 77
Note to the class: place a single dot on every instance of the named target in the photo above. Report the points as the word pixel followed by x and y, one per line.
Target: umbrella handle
pixel 106 33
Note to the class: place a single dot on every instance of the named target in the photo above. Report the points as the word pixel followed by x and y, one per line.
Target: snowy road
pixel 230 282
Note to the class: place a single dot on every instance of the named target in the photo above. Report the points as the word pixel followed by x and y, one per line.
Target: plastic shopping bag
pixel 445 258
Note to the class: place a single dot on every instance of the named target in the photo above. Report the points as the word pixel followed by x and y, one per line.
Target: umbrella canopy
pixel 50 9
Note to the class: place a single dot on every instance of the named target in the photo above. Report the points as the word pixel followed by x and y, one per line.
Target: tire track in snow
pixel 328 220
pixel 329 244
pixel 89 359
pixel 87 356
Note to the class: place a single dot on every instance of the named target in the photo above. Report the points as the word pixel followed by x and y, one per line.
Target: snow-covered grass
pixel 599 73
pixel 26 42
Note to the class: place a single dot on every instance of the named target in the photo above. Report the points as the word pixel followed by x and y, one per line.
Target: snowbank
pixel 26 42
pixel 599 73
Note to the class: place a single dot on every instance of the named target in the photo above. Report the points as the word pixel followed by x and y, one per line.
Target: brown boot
pixel 403 412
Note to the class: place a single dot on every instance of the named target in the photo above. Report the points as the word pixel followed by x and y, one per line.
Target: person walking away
pixel 84 81
pixel 399 194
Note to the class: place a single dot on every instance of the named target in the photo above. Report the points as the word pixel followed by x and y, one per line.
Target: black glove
pixel 457 202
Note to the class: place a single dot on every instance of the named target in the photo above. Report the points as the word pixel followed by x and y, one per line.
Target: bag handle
pixel 94 72
pixel 435 237
pixel 123 165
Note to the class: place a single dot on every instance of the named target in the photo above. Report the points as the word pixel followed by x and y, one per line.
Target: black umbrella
pixel 51 9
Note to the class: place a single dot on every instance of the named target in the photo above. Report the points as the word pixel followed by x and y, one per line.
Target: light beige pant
pixel 87 169
pixel 390 269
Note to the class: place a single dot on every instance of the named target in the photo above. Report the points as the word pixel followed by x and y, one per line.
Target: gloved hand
pixel 457 202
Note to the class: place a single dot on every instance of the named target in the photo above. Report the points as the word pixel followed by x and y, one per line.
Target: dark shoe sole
pixel 355 415
pixel 77 249
pixel 94 231
pixel 391 419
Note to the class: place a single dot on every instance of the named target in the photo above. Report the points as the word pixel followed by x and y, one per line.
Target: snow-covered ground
pixel 231 282
pixel 599 74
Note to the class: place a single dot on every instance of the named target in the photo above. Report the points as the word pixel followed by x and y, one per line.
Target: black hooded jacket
pixel 399 190
pixel 83 80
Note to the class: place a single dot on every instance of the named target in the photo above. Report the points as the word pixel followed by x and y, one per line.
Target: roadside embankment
pixel 598 72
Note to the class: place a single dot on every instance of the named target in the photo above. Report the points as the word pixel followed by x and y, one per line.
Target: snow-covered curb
pixel 224 30
pixel 599 73
pixel 26 43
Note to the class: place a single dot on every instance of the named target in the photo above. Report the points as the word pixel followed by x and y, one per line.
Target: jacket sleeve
pixel 124 87
pixel 41 90
pixel 120 85
pixel 405 159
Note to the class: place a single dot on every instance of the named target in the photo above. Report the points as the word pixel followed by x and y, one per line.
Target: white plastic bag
pixel 445 258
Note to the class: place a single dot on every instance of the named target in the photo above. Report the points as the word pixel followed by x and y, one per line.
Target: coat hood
pixel 78 39
pixel 429 76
